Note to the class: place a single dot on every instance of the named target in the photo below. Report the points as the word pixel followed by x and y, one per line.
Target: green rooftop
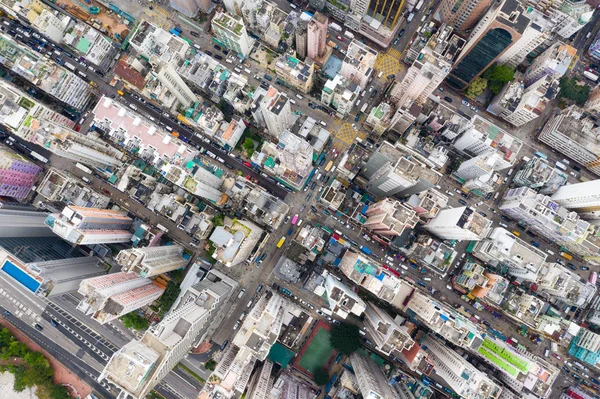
pixel 504 358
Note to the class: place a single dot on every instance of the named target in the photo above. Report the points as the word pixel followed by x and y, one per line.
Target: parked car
pixel 447 99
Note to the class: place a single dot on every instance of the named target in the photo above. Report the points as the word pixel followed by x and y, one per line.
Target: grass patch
pixel 190 372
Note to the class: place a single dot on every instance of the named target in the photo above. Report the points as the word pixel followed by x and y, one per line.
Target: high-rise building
pixel 191 8
pixel 316 38
pixel 390 217
pixel 593 102
pixel 302 39
pixel 83 226
pixel 428 203
pixel 478 166
pixel 556 223
pixel 464 378
pixel 481 136
pixel 461 223
pixel 342 300
pixel 371 381
pixel 23 222
pixel 431 253
pixel 502 248
pixel 231 32
pixel 398 170
pixel 151 261
pixel 553 62
pixel 290 386
pixel 568 16
pixel 46 265
pixel 235 240
pixel 429 69
pixel 273 110
pixel 583 198
pixel 586 347
pixel 538 174
pixel 114 295
pixel 296 73
pixel 461 15
pixel 499 29
pixel 141 364
pixel 388 335
pixel 340 93
pixel 261 383
pixel 358 63
pixel 17 174
pixel 574 134
pixel 519 105
pixel 170 79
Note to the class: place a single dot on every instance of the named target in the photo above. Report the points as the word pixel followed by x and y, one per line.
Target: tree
pixel 321 377
pixel 210 364
pixel 476 88
pixel 248 146
pixel 135 321
pixel 345 338
pixel 218 220
pixel 497 76
pixel 58 392
pixel 572 89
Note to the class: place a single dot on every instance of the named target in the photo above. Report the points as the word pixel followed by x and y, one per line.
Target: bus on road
pixel 38 157
pixel 560 166
pixel 83 168
pixel 328 167
pixel 566 255
pixel 280 243
pixel 540 155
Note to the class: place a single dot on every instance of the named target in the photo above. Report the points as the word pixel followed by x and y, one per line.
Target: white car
pixel 236 325
pixel 354 126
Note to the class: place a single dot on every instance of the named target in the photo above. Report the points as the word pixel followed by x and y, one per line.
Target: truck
pixel 365 250
pixel 419 5
pixel 175 31
pixel 335 27
pixel 332 44
pixel 70 66
pixel 410 17
pixel 83 168
pixel 591 76
pixel 349 34
pixel 566 256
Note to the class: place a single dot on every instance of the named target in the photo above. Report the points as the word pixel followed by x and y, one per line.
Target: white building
pixel 137 367
pixel 109 297
pixel 169 77
pixel 231 32
pixel 557 281
pixel 273 110
pixel 343 300
pixel 462 223
pixel 17 222
pixel 372 384
pixel 583 198
pixel 341 94
pixel 458 373
pixel 358 63
pixel 235 240
pixel 82 226
pixel 388 335
pixel 479 166
pixel 151 261
pixel 553 62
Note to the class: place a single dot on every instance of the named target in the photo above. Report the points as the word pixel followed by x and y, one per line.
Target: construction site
pixel 107 18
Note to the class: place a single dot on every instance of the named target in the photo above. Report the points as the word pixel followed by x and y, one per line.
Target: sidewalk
pixel 62 375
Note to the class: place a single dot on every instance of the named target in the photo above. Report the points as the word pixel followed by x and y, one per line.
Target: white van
pixel 133 107
pixel 323 123
pixel 550 252
pixel 248 71
pixel 427 278
pixel 333 169
pixel 292 101
pixel 299 97
pixel 299 223
pixel 404 267
pixel 85 179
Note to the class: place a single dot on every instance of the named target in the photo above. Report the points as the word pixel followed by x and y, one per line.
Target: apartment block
pixel 170 79
pixel 158 45
pixel 593 102
pixel 296 73
pixel 301 36
pixel 388 335
pixel 18 174
pixel 21 221
pixel 372 384
pixel 341 94
pixel 316 38
pixel 261 383
pixel 427 203
pixel 390 218
pixel 556 223
pixel 109 297
pixel 519 105
pixel 557 281
pixel 231 32
pixel 480 167
pixel 342 300
pixel 553 62
pixel 461 15
pixel 461 223
pixel 235 240
pixel 45 265
pixel 358 63
pixel 138 366
pixel 398 171
pixel 538 174
pixel 586 347
pixel 83 226
pixel 502 248
pixel 273 110
pixel 151 261
pixel 480 136
pixel 574 134
pixel 429 69
pixel 583 198
pixel 568 16
pixel 431 253
pixel 458 373
pixel 484 285
pixel 289 386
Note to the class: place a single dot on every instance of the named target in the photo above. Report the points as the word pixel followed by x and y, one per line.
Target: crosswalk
pixel 392 52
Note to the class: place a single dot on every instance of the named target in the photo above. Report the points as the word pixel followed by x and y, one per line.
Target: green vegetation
pixel 572 89
pixel 250 134
pixel 210 364
pixel 248 146
pixel 476 88
pixel 168 298
pixel 26 103
pixel 210 250
pixel 321 377
pixel 30 369
pixel 226 109
pixel 345 338
pixel 218 219
pixel 135 321
pixel 497 76
pixel 504 354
